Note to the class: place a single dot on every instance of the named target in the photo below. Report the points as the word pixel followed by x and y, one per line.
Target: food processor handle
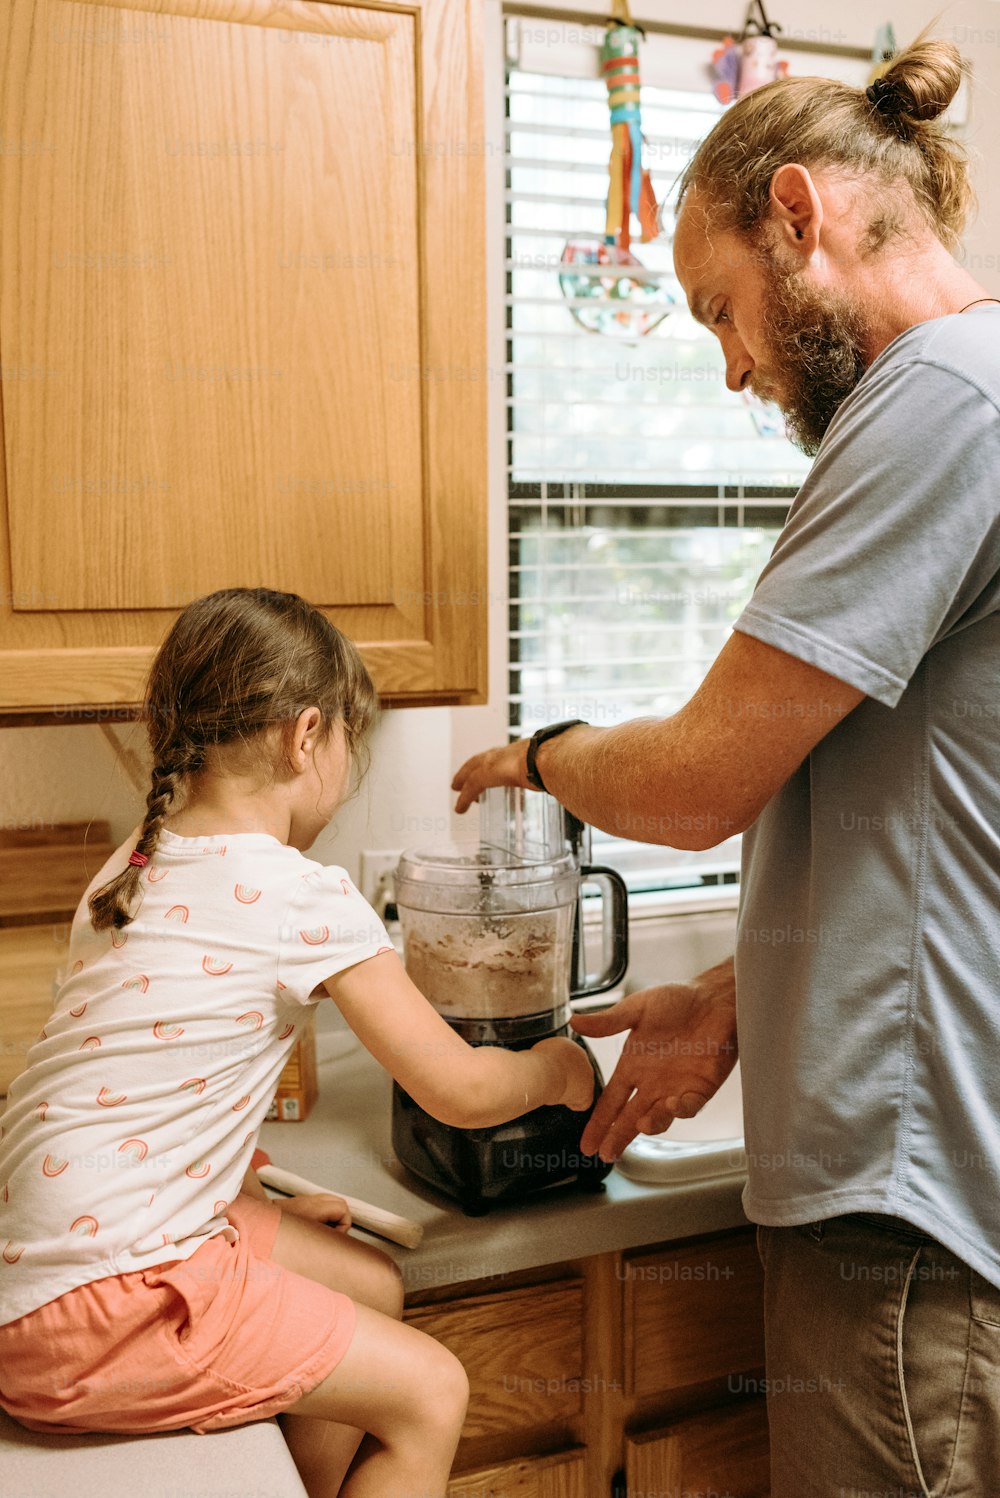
pixel 577 835
pixel 614 912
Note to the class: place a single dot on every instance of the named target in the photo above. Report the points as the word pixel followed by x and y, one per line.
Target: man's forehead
pixel 706 256
pixel 699 247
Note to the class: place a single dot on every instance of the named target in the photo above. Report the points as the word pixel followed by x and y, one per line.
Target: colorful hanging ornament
pixel 742 66
pixel 883 51
pixel 595 276
pixel 629 188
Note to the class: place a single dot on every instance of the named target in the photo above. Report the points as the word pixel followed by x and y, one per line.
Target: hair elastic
pixel 884 97
pixel 138 859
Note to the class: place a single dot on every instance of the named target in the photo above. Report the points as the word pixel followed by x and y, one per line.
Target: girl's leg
pixel 346 1264
pixel 409 1393
pixel 322 1450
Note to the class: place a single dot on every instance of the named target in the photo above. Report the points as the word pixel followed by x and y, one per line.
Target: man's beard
pixel 815 345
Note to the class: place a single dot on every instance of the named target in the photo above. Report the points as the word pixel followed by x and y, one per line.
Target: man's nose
pixel 739 367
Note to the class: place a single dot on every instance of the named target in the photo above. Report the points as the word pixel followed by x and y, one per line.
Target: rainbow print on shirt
pixel 215 967
pixel 164 1030
pixel 315 936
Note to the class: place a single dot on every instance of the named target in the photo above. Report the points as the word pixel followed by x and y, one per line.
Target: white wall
pixel 70 773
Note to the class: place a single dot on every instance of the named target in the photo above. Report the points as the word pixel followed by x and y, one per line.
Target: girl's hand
pixel 576 1070
pixel 319 1206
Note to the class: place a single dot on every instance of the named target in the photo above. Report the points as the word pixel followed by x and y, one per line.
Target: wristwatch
pixel 538 738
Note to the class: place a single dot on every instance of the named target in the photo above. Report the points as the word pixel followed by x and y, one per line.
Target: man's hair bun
pixel 889 137
pixel 921 82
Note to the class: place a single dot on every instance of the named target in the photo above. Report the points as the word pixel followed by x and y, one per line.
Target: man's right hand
pixel 681 1050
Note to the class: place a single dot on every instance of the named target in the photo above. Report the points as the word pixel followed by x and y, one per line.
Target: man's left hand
pixel 507 765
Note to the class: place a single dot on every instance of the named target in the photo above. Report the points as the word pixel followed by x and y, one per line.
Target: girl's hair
pixel 892 143
pixel 235 663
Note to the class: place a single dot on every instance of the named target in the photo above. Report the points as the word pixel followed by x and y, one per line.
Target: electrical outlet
pixel 377 867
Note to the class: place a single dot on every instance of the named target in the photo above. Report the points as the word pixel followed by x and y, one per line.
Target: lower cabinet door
pixel 723 1452
pixel 559 1476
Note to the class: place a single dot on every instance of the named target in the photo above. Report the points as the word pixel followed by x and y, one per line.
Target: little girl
pixel 146 1281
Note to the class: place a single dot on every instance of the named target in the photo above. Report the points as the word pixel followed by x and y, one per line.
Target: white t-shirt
pixel 133 1124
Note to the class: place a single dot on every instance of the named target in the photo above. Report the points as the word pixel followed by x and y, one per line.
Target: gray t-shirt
pixel 868 953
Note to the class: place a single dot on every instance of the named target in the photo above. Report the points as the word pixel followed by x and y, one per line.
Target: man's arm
pixel 698 777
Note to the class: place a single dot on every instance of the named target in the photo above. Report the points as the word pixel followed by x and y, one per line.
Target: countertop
pixel 345 1145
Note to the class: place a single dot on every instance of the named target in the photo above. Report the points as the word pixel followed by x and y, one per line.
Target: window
pixel 644 497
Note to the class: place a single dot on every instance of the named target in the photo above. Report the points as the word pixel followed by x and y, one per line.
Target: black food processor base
pixel 481 1168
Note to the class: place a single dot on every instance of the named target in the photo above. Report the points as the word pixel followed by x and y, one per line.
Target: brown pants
pixel 883 1363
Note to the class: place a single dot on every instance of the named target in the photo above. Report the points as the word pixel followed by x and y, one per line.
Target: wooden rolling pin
pixel 387 1225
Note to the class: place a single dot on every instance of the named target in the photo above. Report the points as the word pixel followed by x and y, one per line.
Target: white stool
pixel 247 1461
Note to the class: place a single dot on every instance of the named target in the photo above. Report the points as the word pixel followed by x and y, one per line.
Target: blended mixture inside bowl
pixel 490 966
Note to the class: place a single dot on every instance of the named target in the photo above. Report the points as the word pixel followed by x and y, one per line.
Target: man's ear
pixel 797 208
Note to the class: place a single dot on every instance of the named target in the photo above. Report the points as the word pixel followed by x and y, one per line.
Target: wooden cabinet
pixel 43 872
pixel 692 1314
pixel 623 1374
pixel 560 1476
pixel 722 1452
pixel 241 331
pixel 523 1352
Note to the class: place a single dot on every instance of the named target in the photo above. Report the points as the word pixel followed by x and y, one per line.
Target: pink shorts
pixel 215 1340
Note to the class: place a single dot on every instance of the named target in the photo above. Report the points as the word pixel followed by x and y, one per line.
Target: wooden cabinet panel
pixel 44 882
pixel 522 1350
pixel 692 1314
pixel 30 958
pixel 559 1476
pixel 721 1452
pixel 43 873
pixel 242 280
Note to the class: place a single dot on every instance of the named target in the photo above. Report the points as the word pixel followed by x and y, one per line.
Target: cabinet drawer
pixel 693 1314
pixel 723 1451
pixel 530 1477
pixel 522 1350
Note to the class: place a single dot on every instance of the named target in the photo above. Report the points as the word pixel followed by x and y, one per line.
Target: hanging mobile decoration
pixel 883 51
pixel 742 66
pixel 605 284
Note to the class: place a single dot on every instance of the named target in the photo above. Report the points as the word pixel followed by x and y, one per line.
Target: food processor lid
pixel 452 864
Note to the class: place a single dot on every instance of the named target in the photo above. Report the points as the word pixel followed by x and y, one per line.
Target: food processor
pixel 493 937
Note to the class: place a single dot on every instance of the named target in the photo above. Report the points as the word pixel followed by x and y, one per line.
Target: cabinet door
pixel 522 1350
pixel 722 1452
pixel 241 332
pixel 558 1476
pixel 693 1314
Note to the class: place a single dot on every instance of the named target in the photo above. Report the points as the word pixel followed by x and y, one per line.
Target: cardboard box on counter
pixel 297 1090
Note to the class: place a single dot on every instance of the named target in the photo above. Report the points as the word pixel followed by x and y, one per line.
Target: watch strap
pixel 537 739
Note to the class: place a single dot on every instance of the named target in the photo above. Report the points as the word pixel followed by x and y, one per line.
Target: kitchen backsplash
pixel 69 773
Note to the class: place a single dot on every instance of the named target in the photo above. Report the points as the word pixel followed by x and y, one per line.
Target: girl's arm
pixel 467 1086
pixel 252 1186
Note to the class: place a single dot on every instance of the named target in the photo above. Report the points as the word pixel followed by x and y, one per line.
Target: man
pixel 850 727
